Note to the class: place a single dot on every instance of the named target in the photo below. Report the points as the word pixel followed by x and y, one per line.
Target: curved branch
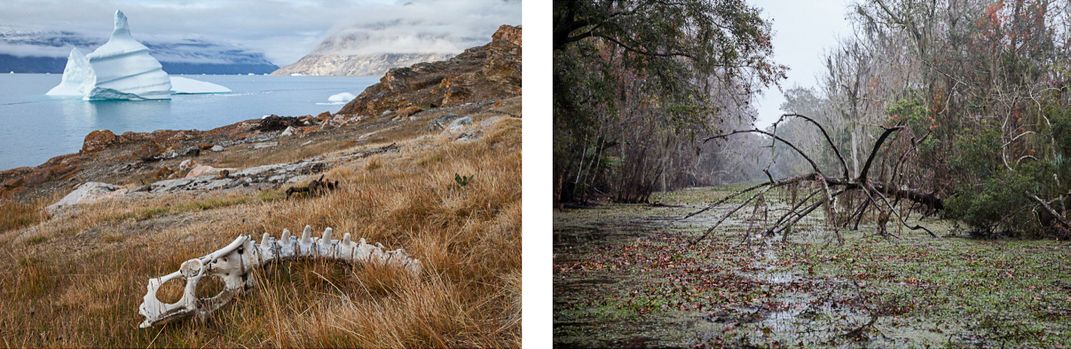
pixel 843 164
pixel 723 200
pixel 874 151
pixel 892 208
pixel 793 146
pixel 727 215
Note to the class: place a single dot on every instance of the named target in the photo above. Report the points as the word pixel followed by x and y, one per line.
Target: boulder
pixel 289 131
pixel 440 123
pixel 88 192
pixel 263 145
pixel 205 170
pixel 409 110
pixel 459 123
pixel 467 137
pixel 275 123
pixel 217 148
pixel 98 140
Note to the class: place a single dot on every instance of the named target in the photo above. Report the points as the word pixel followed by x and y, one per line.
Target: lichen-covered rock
pixel 98 140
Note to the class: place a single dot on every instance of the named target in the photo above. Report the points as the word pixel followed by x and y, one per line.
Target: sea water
pixel 35 127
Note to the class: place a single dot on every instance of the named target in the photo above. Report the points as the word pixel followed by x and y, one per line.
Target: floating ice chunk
pixel 341 98
pixel 181 85
pixel 77 76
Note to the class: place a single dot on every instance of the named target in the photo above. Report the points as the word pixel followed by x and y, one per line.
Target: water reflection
pixel 122 115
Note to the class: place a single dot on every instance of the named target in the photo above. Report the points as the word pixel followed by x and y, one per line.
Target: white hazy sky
pixel 284 30
pixel 803 32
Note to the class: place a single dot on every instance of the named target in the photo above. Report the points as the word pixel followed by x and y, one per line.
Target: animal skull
pixel 233 263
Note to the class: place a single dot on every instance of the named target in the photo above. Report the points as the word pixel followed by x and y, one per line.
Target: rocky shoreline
pixel 445 97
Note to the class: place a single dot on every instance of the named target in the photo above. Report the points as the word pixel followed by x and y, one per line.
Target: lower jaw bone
pixel 232 264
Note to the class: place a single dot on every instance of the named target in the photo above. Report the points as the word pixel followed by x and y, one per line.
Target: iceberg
pixel 77 75
pixel 341 98
pixel 181 85
pixel 338 99
pixel 123 69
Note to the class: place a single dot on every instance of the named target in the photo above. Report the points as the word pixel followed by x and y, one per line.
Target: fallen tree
pixel 888 199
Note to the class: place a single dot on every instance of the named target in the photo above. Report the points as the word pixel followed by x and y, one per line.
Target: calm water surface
pixel 35 127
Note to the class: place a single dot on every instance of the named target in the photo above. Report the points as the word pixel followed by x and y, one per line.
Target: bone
pixel 286 244
pixel 233 265
pixel 325 246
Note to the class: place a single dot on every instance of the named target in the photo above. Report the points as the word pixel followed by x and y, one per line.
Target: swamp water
pixel 625 277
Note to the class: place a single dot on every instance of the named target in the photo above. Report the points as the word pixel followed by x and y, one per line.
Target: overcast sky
pixel 284 30
pixel 803 32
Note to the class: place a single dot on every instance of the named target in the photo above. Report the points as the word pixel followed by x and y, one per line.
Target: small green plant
pixel 462 181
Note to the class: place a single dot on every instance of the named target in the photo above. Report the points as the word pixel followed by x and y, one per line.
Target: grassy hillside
pixel 77 279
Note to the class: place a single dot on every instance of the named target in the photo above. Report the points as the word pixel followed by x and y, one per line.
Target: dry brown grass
pixel 16 214
pixel 77 281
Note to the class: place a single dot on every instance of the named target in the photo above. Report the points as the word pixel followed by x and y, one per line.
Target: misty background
pixel 283 30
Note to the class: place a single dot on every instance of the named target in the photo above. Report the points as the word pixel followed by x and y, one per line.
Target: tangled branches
pixel 889 199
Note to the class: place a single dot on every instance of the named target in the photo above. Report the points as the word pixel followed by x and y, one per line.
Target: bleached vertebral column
pixel 233 264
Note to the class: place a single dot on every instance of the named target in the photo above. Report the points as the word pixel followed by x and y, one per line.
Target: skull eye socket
pixel 171 291
pixel 209 286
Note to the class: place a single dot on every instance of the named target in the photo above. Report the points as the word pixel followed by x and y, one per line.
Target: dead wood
pixel 315 188
pixel 876 193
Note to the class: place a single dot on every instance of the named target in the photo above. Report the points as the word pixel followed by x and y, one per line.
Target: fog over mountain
pixel 403 35
pixel 282 30
pixel 431 26
pixel 46 52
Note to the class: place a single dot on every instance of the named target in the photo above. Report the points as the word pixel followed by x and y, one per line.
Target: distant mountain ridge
pixel 363 51
pixel 483 73
pixel 46 52
pixel 357 65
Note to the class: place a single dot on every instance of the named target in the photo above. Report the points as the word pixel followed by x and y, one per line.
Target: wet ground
pixel 628 276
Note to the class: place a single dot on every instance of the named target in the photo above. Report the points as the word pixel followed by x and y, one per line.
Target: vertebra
pixel 234 262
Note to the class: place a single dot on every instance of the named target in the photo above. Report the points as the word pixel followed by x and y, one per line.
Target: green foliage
pixel 996 205
pixel 635 77
pixel 995 198
pixel 1061 134
pixel 912 112
pixel 978 154
pixel 462 181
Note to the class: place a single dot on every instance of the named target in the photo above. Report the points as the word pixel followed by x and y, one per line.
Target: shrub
pixel 993 198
